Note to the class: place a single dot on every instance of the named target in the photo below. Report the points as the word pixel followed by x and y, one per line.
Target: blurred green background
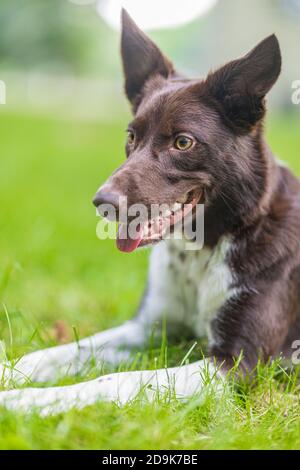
pixel 61 135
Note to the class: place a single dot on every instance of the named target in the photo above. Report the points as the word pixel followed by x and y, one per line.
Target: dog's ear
pixel 240 86
pixel 141 58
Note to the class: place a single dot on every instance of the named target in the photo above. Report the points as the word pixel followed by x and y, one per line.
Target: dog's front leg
pixel 69 359
pixel 251 327
pixel 180 382
pixel 112 346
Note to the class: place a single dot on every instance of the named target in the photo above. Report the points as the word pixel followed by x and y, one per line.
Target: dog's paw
pixel 30 368
pixel 42 401
pixel 7 374
pixel 54 400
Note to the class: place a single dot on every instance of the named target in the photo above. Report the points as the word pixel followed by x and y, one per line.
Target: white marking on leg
pixel 69 359
pixel 180 382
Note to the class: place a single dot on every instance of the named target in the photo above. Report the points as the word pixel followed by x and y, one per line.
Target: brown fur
pixel 247 195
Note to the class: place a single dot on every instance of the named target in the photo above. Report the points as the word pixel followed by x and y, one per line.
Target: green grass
pixel 53 267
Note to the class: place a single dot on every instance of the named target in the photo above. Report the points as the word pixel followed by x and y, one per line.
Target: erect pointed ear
pixel 141 58
pixel 240 86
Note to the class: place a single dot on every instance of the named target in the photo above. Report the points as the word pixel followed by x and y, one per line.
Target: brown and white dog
pixel 198 141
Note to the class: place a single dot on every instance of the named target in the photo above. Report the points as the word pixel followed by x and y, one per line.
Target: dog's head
pixel 192 141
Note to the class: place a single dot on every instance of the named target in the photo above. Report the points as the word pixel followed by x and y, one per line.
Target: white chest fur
pixel 188 287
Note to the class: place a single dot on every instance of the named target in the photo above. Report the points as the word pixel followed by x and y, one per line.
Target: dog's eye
pixel 130 137
pixel 183 142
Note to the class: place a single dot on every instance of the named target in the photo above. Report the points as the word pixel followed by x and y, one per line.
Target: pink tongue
pixel 124 242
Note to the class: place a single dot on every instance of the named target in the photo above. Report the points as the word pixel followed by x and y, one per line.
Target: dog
pixel 194 142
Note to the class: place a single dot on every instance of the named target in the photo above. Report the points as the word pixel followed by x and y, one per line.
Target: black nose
pixel 105 196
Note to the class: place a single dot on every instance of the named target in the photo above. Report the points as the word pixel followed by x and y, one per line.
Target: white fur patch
pixel 180 382
pixel 69 359
pixel 188 287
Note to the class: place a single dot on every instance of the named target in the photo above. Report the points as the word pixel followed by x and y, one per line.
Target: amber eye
pixel 183 142
pixel 130 137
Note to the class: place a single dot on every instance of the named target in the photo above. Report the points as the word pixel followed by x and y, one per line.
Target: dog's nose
pixel 107 203
pixel 106 197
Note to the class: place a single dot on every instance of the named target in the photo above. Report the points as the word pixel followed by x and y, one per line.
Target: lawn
pixel 57 281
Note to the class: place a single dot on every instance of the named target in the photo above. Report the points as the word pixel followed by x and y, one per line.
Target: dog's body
pixel 241 290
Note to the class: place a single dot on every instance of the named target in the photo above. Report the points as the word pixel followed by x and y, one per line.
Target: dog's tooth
pixel 177 206
pixel 156 226
pixel 182 199
pixel 145 228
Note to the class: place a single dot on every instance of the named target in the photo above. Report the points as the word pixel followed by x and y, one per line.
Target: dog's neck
pixel 245 202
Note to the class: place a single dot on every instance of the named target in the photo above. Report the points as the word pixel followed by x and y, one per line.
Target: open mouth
pixel 158 228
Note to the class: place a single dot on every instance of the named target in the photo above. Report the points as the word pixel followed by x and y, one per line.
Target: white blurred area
pixel 154 14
